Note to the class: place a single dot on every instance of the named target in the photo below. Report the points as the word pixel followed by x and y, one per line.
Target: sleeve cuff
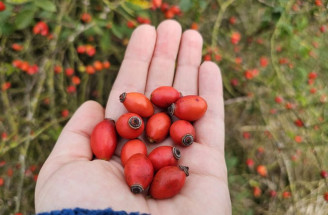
pixel 81 211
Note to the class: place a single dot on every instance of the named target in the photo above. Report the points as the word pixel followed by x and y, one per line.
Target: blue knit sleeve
pixel 80 211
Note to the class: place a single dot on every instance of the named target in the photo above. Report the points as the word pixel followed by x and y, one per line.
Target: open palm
pixel 70 178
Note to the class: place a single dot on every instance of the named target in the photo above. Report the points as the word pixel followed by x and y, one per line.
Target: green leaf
pixel 117 31
pixel 185 5
pixel 24 19
pixel 17 1
pixel 46 5
pixel 105 42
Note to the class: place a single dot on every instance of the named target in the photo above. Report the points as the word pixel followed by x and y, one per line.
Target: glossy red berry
pixel 131 148
pixel 137 103
pixel 164 96
pixel 103 139
pixel 130 126
pixel 138 172
pixel 158 127
pixel 168 182
pixel 324 174
pixel 2 6
pixel 164 156
pixel 188 108
pixel 325 196
pixel 182 133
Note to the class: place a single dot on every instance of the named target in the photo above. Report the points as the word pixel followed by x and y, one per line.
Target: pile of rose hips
pixel 139 168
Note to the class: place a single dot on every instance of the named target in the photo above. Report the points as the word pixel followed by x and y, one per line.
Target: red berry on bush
pixel 262 170
pixel 257 192
pixel 90 70
pixel 2 6
pixel 64 113
pixel 103 139
pixel 235 38
pixel 5 86
pixel 324 174
pixel 250 163
pixel 69 72
pixel 86 17
pixel 17 47
pixel 325 196
pixel 2 181
pixel 138 172
pixel 286 195
pixel 106 64
pixel 41 28
pixel 168 182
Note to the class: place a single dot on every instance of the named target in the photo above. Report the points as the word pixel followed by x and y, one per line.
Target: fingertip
pixel 193 38
pixel 210 78
pixel 172 24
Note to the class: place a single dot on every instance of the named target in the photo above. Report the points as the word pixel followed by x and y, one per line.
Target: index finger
pixel 134 69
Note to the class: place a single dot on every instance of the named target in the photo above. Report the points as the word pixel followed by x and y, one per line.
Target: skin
pixel 70 178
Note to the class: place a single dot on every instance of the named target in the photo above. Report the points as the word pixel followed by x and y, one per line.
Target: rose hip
pixel 138 172
pixel 188 108
pixel 131 148
pixel 137 103
pixel 182 132
pixel 164 96
pixel 130 126
pixel 158 127
pixel 164 156
pixel 103 139
pixel 168 182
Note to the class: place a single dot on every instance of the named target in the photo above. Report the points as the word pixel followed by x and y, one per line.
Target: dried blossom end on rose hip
pixel 138 173
pixel 130 125
pixel 182 133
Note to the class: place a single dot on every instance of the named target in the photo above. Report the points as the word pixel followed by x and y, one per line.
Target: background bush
pixel 273 57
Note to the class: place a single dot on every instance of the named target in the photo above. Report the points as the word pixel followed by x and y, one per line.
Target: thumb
pixel 74 141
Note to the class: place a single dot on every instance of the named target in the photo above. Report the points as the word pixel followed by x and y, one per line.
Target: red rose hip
pixel 182 133
pixel 168 182
pixel 164 156
pixel 188 108
pixel 138 172
pixel 137 103
pixel 2 6
pixel 131 148
pixel 158 127
pixel 103 139
pixel 130 126
pixel 164 96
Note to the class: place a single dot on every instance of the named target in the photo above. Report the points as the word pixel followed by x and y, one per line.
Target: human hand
pixel 70 178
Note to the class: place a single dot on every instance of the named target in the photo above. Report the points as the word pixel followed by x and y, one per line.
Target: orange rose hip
pixel 138 172
pixel 168 182
pixel 182 132
pixel 130 126
pixel 164 96
pixel 103 139
pixel 158 127
pixel 137 103
pixel 131 148
pixel 164 156
pixel 188 108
